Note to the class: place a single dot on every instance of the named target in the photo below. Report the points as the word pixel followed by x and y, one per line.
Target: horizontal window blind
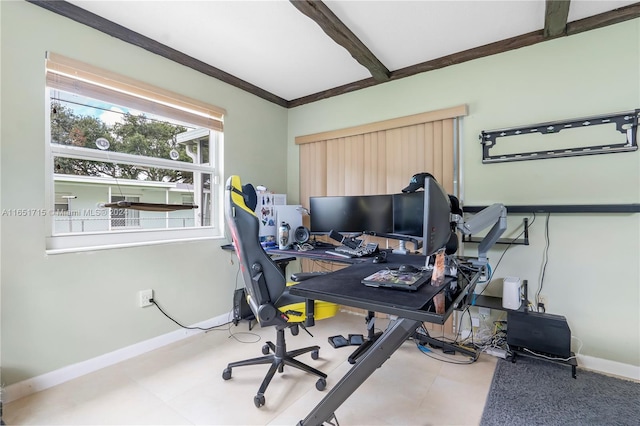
pixel 74 76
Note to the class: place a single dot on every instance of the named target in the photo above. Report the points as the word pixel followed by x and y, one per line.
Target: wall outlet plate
pixel 543 299
pixel 144 298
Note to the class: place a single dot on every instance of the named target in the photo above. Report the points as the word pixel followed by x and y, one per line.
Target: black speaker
pixel 241 309
pixel 301 235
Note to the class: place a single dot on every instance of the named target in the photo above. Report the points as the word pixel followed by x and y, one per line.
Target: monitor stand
pixel 402 248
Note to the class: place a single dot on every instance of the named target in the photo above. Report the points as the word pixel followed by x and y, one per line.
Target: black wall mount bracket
pixel 625 122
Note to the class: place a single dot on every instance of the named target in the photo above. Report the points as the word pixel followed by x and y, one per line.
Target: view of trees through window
pixel 104 153
pixel 134 134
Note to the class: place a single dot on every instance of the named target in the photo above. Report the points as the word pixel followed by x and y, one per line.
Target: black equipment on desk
pixel 539 332
pixel 350 242
pixel 301 235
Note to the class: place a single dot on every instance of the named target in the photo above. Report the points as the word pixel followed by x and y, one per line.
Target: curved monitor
pixel 351 214
pixel 437 217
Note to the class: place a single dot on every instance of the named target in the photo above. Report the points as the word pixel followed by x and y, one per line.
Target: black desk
pixel 345 287
pixel 322 254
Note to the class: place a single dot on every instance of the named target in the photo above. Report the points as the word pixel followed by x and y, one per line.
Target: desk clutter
pixel 398 279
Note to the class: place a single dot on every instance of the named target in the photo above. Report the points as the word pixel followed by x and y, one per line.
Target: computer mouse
pixel 379 259
pixel 407 268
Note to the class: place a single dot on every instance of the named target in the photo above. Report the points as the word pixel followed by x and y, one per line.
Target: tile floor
pixel 182 384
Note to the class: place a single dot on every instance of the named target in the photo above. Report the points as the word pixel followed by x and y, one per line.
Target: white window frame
pixel 66 74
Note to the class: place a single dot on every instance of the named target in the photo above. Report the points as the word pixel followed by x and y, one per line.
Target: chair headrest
pixel 250 196
pixel 247 192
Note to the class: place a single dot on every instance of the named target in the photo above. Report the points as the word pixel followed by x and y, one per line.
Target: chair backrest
pixel 263 279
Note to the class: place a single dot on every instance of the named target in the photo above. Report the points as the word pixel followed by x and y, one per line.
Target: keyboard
pixel 357 252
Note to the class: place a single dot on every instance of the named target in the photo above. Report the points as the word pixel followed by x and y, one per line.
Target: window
pixel 116 140
pixel 124 217
pixel 61 203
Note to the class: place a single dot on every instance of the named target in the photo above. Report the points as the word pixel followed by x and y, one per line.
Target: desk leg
pixel 372 336
pixel 381 350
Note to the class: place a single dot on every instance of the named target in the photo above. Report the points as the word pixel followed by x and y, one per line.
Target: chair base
pixel 278 358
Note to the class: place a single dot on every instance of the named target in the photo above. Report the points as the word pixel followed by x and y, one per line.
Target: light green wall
pixel 61 309
pixel 593 273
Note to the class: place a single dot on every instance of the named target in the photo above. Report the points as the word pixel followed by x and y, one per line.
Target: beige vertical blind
pixel 381 157
pixel 73 76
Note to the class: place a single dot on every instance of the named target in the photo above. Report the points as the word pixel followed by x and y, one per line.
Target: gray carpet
pixel 537 392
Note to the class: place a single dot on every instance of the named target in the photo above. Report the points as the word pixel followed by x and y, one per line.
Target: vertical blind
pixel 381 157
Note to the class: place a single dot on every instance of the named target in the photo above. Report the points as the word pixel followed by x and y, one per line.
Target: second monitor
pixel 408 213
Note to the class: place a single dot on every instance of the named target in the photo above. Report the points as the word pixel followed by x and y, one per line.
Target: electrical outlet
pixel 543 299
pixel 144 297
pixel 484 312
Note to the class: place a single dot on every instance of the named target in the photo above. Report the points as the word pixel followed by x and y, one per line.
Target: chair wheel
pixel 295 330
pixel 259 400
pixel 265 350
pixel 226 374
pixel 321 384
pixel 315 354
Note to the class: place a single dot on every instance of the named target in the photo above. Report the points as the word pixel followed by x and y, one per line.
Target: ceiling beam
pixel 85 17
pixel 341 34
pixel 555 18
pixel 605 19
pixel 601 20
pixel 101 24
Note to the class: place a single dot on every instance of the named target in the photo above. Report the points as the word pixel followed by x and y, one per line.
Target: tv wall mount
pixel 625 122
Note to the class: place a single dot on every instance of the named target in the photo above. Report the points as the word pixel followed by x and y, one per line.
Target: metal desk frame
pixel 398 331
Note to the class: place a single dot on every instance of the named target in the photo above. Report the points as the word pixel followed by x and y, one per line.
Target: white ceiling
pixel 275 47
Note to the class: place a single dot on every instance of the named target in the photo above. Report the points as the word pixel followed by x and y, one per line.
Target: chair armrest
pixel 301 276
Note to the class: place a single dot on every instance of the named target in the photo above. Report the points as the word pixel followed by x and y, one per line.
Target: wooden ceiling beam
pixel 555 18
pixel 341 34
pixel 601 20
pixel 605 19
pixel 85 17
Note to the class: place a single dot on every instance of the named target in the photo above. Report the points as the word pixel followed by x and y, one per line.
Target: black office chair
pixel 267 291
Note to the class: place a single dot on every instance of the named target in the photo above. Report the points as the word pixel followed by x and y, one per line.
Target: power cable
pixel 545 260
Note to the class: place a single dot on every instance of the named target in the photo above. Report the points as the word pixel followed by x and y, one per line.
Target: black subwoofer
pixel 241 309
pixel 301 235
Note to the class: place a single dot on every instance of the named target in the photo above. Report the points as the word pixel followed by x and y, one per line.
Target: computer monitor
pixel 351 214
pixel 408 213
pixel 437 217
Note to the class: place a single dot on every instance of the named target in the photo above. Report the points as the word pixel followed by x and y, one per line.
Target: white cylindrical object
pixel 511 293
pixel 283 236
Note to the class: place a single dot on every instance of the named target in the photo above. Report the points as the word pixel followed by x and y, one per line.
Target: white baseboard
pixel 64 374
pixel 613 368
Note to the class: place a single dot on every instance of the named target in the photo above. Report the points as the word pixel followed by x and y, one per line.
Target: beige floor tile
pixel 182 384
